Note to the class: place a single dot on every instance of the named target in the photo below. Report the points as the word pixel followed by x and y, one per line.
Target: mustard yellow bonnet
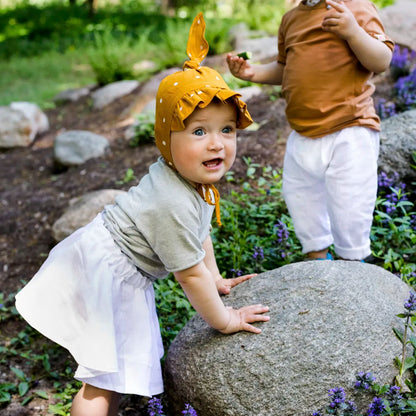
pixel 196 86
pixel 180 93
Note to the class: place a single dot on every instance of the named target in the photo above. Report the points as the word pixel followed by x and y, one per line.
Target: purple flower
pixel 281 231
pixel 317 413
pixel 405 88
pixel 154 407
pixel 394 397
pixel 364 380
pixel 350 409
pixel 410 304
pixel 258 254
pixel 189 410
pixel 337 397
pixel 236 272
pixel 377 407
pixel 385 181
pixel 401 61
pixel 385 109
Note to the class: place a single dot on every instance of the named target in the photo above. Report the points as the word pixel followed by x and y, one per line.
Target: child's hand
pixel 340 20
pixel 224 286
pixel 240 319
pixel 240 67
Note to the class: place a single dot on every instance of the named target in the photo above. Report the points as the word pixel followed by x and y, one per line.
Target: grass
pixel 39 79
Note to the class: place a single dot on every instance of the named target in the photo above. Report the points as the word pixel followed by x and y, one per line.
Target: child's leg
pixel 305 194
pixel 351 181
pixel 93 401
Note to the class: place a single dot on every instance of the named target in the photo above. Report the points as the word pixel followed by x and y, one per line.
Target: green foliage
pixel 108 59
pixel 64 393
pixel 128 177
pixel 257 233
pixel 174 309
pixel 393 233
pixel 144 130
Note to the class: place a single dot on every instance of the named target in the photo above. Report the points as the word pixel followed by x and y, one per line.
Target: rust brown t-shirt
pixel 325 86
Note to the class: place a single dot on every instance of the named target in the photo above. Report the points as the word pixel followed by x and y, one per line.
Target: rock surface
pixel 399 21
pixel 75 147
pixel 397 143
pixel 81 211
pixel 329 320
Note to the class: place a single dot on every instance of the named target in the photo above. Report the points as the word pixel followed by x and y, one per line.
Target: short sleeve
pixel 369 19
pixel 174 235
pixel 281 57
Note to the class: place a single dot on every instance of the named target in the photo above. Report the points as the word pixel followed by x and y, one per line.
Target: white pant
pixel 330 189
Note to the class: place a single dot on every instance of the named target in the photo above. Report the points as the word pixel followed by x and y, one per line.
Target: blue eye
pixel 199 132
pixel 227 129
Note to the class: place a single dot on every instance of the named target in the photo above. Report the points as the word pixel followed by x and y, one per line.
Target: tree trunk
pixel 92 6
pixel 168 7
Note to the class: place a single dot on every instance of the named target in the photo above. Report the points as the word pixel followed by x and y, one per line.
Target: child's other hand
pixel 239 67
pixel 340 20
pixel 240 319
pixel 224 286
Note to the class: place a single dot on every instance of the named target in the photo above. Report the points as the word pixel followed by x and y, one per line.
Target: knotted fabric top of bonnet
pixel 196 86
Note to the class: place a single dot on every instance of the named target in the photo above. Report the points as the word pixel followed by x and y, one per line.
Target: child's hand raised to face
pixel 340 20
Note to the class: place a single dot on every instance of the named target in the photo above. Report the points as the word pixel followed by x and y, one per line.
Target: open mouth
pixel 212 163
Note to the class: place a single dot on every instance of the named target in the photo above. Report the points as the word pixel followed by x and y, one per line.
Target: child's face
pixel 205 150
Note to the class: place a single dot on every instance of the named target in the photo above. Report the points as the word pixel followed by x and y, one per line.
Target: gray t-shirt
pixel 161 223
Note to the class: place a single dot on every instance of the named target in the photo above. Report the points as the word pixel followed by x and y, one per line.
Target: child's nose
pixel 216 143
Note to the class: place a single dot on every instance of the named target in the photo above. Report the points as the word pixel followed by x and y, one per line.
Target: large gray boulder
pixel 397 143
pixel 329 320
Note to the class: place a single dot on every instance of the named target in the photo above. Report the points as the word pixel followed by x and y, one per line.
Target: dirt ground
pixel 34 192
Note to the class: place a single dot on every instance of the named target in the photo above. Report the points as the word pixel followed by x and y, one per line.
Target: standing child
pixel 94 293
pixel 328 51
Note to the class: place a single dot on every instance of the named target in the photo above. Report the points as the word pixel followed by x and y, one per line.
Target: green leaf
pixel 398 334
pixel 27 400
pixel 42 394
pixel 23 388
pixel 19 373
pixel 409 363
pixel 5 396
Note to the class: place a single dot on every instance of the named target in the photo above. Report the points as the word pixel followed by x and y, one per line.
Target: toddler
pixel 94 293
pixel 328 52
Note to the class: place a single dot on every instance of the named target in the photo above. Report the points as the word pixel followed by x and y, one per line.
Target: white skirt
pixel 91 299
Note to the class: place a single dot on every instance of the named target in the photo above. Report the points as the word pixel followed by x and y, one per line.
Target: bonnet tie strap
pixel 209 193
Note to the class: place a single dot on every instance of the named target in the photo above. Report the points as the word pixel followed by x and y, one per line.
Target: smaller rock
pixel 73 94
pixel 37 117
pixel 77 146
pixel 144 66
pixel 249 92
pixel 15 129
pixel 111 92
pixel 81 211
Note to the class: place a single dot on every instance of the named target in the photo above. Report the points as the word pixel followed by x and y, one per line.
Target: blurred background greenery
pixel 47 46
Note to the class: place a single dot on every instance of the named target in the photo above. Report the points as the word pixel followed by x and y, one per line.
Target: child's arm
pixel 270 73
pixel 199 287
pixel 224 286
pixel 372 53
